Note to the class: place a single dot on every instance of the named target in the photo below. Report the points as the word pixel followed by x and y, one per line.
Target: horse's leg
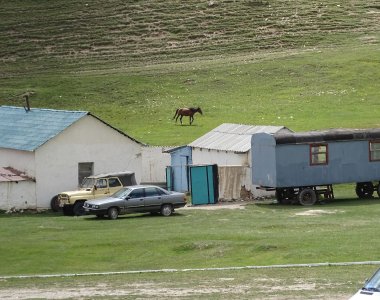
pixel 176 112
pixel 176 118
pixel 180 118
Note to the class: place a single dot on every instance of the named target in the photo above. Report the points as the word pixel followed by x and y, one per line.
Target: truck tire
pixel 78 208
pixel 54 204
pixel 307 197
pixel 364 190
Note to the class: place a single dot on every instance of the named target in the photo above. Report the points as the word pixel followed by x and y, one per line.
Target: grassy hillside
pixel 301 64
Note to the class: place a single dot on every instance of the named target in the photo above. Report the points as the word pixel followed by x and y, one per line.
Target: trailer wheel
pixel 364 190
pixel 285 195
pixel 307 197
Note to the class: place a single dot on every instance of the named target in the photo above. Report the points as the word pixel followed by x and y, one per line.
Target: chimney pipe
pixel 27 108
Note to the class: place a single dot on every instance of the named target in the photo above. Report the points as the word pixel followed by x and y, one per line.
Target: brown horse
pixel 189 112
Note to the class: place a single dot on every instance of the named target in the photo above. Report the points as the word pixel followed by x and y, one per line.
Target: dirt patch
pixel 219 205
pixel 317 212
pixel 272 290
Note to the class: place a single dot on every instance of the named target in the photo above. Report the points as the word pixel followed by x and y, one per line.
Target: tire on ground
pixel 307 197
pixel 78 208
pixel 167 210
pixel 364 190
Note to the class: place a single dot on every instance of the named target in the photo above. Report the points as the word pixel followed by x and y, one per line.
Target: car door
pixel 135 200
pixel 153 199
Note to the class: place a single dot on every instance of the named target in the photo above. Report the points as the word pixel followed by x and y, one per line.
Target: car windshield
pixel 373 283
pixel 88 183
pixel 124 192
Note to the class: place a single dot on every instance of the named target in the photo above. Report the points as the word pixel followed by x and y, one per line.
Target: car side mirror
pixel 127 198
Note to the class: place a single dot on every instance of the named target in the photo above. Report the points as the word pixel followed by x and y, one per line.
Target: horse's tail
pixel 176 112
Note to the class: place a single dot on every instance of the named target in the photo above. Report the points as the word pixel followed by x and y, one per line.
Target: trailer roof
pixel 326 136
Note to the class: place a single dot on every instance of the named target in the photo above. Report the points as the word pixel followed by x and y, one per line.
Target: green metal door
pixel 169 178
pixel 204 184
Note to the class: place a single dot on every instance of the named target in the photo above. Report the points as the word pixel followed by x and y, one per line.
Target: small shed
pixel 16 190
pixel 229 147
pixel 177 174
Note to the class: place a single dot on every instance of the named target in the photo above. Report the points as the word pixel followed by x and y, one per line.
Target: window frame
pixel 326 153
pixel 370 151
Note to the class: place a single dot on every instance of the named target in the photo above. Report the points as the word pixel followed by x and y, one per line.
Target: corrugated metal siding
pixel 28 130
pixel 232 137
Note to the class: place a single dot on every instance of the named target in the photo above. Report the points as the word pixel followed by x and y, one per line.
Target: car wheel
pixel 166 210
pixel 307 197
pixel 113 213
pixel 78 208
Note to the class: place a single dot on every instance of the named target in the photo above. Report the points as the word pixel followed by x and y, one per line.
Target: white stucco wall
pixel 87 140
pixel 19 195
pixel 154 162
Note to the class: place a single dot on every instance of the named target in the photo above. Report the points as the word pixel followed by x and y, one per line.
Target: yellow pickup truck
pixel 93 187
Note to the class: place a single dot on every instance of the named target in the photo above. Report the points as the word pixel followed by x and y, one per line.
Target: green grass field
pixel 303 64
pixel 262 234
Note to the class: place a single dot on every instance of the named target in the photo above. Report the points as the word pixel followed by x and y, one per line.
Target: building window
pixel 374 150
pixel 85 169
pixel 319 154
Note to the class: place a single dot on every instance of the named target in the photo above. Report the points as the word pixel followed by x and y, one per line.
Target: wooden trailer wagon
pixel 302 167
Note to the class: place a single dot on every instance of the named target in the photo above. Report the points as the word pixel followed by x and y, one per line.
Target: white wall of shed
pixel 154 162
pixel 18 195
pixel 87 140
pixel 223 158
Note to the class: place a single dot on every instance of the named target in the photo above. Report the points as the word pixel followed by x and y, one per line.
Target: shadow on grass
pixel 132 216
pixel 323 203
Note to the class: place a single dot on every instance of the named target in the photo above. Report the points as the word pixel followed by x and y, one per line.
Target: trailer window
pixel 374 151
pixel 318 154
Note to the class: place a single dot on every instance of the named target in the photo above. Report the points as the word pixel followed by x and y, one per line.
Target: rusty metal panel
pixel 11 175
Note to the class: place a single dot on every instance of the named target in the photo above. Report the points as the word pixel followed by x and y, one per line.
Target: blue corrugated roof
pixel 28 130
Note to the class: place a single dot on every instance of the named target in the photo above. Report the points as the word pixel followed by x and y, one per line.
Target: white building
pixel 58 148
pixel 229 147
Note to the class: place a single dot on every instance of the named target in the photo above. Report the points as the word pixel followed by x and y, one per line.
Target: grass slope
pixel 45 34
pixel 305 65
